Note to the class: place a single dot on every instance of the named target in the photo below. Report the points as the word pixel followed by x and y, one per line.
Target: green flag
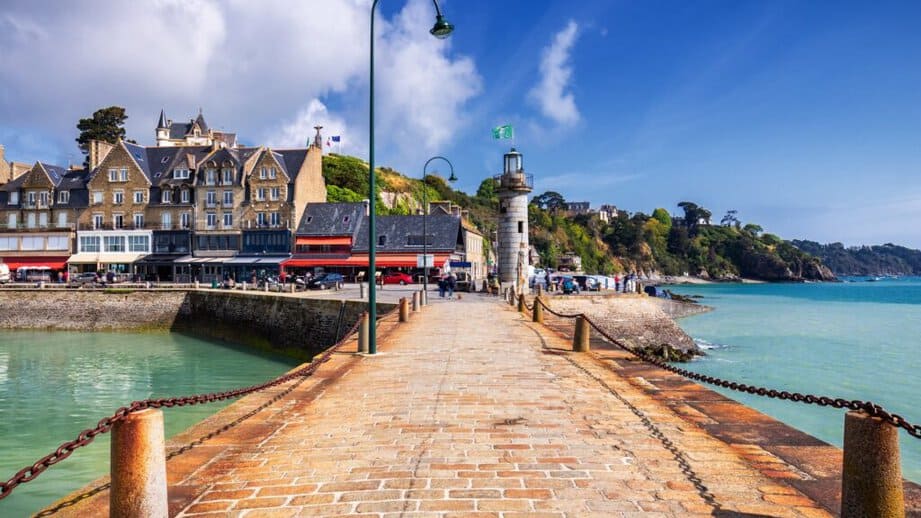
pixel 503 132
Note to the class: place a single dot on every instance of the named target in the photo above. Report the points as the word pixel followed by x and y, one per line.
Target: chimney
pixel 465 215
pixel 190 159
pixel 367 204
pixel 99 150
pixel 455 211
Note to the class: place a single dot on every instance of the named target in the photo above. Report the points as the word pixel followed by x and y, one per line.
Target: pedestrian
pixel 616 282
pixel 547 281
pixel 442 286
pixel 451 284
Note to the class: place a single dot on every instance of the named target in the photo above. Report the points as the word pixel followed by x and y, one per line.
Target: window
pixel 138 197
pixel 9 243
pixel 31 199
pixel 124 174
pixel 43 199
pixel 167 197
pixel 118 221
pixel 32 243
pixel 228 176
pixel 211 199
pixel 63 196
pixel 138 243
pixel 11 220
pixel 181 173
pixel 211 219
pixel 185 219
pixel 260 194
pixel 275 219
pixel 381 240
pixel 166 220
pixel 228 220
pixel 184 196
pixel 521 227
pixel 97 197
pixel 89 243
pixel 228 198
pixel 274 193
pixel 14 198
pixel 113 243
pixel 260 218
pixel 97 221
pixel 62 219
pixel 211 177
pixel 113 175
pixel 271 172
pixel 138 220
pixel 118 197
pixel 262 173
pixel 43 219
pixel 58 243
pixel 30 220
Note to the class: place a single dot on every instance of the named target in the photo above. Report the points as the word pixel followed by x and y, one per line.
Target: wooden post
pixel 540 289
pixel 363 331
pixel 871 477
pixel 537 313
pixel 404 310
pixel 522 307
pixel 415 301
pixel 138 466
pixel 580 335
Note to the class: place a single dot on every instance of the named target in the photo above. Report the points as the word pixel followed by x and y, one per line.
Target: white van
pixel 4 273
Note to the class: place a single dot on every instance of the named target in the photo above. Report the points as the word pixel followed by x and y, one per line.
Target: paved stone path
pixel 469 411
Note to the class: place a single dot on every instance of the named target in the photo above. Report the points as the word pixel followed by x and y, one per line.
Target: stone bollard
pixel 196 285
pixel 363 333
pixel 138 466
pixel 871 477
pixel 424 297
pixel 415 301
pixel 540 290
pixel 404 309
pixel 537 313
pixel 580 335
pixel 522 307
pixel 361 290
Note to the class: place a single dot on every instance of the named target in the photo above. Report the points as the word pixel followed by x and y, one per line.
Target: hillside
pixel 888 259
pixel 627 243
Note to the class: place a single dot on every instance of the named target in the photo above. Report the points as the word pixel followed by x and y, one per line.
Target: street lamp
pixel 425 238
pixel 442 29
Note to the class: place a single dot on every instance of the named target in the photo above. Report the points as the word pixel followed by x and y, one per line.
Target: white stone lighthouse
pixel 513 186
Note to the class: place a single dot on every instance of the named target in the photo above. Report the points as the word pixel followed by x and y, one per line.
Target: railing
pixel 20 227
pixel 871 474
pixel 132 226
pixel 518 181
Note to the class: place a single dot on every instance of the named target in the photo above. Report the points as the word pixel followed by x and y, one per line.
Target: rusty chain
pixel 867 407
pixel 29 473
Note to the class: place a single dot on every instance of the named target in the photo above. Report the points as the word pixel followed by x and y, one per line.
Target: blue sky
pixel 803 116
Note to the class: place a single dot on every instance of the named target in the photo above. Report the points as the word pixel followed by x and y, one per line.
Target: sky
pixel 805 117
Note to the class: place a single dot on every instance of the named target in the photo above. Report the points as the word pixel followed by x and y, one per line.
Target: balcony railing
pixel 24 227
pixel 515 181
pixel 131 226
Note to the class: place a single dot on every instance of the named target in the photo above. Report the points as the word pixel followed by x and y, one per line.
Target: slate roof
pixel 162 122
pixel 293 160
pixel 55 172
pixel 139 154
pixel 75 183
pixel 444 229
pixel 331 219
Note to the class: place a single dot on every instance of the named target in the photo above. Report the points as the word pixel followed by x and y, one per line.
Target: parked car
pixel 400 278
pixel 325 281
pixel 464 282
pixel 83 279
pixel 4 273
pixel 569 286
pixel 587 283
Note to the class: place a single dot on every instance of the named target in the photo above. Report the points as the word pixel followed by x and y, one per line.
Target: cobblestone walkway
pixel 469 411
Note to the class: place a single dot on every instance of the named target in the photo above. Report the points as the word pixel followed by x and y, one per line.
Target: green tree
pixel 106 124
pixel 663 217
pixel 550 200
pixel 487 190
pixel 753 229
pixel 730 219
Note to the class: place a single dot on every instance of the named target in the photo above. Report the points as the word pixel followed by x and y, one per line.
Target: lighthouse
pixel 513 186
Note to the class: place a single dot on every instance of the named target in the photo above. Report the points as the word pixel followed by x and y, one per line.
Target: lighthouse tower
pixel 513 186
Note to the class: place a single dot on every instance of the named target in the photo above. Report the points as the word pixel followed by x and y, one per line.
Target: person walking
pixel 451 284
pixel 442 286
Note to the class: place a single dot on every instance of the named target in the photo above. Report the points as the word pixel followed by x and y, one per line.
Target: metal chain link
pixel 867 407
pixel 29 473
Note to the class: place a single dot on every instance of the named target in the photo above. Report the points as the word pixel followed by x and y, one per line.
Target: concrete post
pixel 361 290
pixel 415 301
pixel 521 304
pixel 580 335
pixel 363 331
pixel 871 478
pixel 138 466
pixel 424 297
pixel 537 313
pixel 404 310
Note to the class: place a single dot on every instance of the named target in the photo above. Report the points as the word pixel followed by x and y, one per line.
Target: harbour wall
pixel 295 326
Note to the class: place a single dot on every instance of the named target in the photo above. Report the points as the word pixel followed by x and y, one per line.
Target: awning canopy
pixel 55 263
pixel 151 259
pixel 98 258
pixel 323 240
pixel 381 261
pixel 188 259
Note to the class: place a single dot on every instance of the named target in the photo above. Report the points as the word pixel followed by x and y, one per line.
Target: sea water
pixel 54 385
pixel 859 339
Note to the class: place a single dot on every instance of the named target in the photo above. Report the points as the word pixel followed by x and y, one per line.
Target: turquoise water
pixel 855 340
pixel 54 385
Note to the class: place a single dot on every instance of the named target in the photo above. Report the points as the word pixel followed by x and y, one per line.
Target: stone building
pixel 196 132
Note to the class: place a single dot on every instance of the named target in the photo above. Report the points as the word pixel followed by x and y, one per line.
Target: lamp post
pixel 441 30
pixel 425 239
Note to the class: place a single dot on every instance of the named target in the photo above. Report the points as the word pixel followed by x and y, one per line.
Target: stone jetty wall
pixel 296 326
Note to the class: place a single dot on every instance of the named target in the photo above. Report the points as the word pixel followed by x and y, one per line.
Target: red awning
pixel 323 240
pixel 55 263
pixel 381 261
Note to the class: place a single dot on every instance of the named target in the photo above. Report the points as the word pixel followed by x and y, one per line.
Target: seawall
pixel 295 326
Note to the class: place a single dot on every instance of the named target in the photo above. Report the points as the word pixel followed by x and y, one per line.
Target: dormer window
pixel 271 172
pixel 181 173
pixel 14 198
pixel 263 173
pixel 184 196
pixel 228 175
pixel 211 176
pixel 381 240
pixel 63 196
pixel 167 197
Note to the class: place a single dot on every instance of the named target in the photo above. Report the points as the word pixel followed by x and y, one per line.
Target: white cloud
pixel 258 68
pixel 551 93
pixel 298 131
